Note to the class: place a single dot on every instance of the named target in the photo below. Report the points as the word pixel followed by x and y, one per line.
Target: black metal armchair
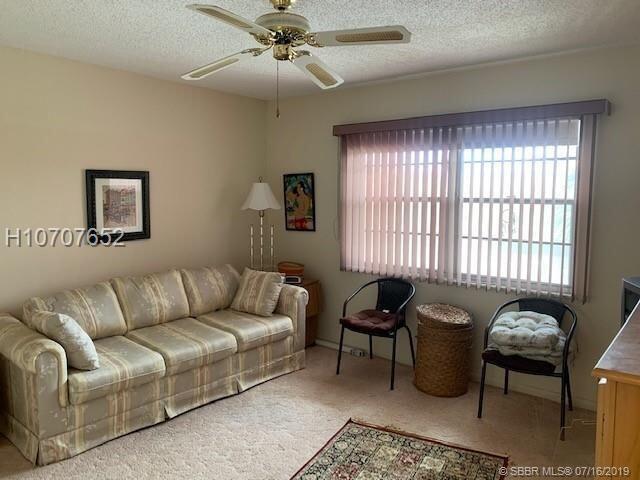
pixel 560 312
pixel 385 321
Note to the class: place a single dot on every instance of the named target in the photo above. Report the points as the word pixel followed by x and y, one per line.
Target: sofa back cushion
pixel 95 309
pixel 210 288
pixel 151 299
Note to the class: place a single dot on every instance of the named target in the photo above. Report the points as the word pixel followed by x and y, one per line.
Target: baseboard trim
pixel 333 346
pixel 579 402
pixel 552 395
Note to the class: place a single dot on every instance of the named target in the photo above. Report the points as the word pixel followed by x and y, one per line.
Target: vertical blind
pixel 501 205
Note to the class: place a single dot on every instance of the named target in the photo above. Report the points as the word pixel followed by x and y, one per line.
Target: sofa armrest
pixel 34 356
pixel 293 303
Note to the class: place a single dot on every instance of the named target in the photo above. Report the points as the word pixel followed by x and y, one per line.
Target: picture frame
pixel 299 202
pixel 118 205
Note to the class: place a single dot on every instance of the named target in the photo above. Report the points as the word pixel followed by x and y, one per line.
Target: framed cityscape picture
pixel 118 204
pixel 300 202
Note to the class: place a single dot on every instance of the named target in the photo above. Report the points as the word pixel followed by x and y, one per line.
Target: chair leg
pixel 370 347
pixel 481 396
pixel 340 351
pixel 569 398
pixel 393 360
pixel 413 353
pixel 562 404
pixel 506 381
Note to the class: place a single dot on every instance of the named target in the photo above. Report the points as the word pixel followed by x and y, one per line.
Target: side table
pixel 314 307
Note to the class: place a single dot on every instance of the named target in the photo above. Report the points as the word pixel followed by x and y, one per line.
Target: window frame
pixel 580 203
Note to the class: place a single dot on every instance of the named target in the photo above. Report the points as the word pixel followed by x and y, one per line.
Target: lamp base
pixel 261 265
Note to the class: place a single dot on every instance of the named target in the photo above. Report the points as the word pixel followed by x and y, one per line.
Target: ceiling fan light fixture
pixel 283 52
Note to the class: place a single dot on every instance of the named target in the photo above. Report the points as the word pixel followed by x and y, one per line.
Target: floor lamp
pixel 261 198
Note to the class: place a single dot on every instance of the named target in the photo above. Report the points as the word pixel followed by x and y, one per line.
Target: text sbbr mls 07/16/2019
pixel 588 471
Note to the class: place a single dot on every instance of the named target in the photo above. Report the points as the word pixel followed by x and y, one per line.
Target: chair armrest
pixel 567 344
pixel 293 303
pixel 354 294
pixel 23 347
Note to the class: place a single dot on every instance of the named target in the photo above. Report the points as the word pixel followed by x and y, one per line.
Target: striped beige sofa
pixel 166 342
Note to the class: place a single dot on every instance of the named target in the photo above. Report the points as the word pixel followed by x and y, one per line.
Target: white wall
pixel 57 118
pixel 301 140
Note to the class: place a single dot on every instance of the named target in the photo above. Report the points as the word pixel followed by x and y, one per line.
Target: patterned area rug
pixel 367 452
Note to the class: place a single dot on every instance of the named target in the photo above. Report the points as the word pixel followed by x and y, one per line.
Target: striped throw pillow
pixel 258 292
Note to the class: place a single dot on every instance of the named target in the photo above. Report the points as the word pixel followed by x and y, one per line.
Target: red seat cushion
pixel 370 321
pixel 517 363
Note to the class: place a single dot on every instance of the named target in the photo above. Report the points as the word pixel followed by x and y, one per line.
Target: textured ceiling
pixel 163 39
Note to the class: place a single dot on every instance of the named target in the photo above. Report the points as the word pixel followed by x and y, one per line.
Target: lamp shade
pixel 260 198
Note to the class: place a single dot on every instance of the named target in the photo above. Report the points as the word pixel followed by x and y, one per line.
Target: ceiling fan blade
pixel 206 70
pixel 360 36
pixel 232 19
pixel 317 70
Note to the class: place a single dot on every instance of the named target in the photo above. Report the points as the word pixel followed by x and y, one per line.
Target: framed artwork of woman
pixel 300 202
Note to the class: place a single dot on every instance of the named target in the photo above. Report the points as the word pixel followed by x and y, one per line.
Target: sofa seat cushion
pixel 251 331
pixel 186 343
pixel 151 299
pixel 123 364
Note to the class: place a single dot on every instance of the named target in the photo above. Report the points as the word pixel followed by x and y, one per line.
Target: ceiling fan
pixel 283 32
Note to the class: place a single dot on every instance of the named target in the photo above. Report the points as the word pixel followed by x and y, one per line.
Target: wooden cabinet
pixel 618 428
pixel 314 307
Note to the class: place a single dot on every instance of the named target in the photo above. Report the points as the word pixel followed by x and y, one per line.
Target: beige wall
pixel 301 140
pixel 203 149
pixel 58 118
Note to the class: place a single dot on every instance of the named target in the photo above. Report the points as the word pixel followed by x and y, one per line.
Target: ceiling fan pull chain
pixel 277 89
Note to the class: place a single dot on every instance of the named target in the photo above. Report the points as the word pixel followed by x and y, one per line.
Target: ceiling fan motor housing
pixel 289 28
pixel 282 4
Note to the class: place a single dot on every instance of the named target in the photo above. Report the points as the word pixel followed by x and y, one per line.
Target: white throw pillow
pixel 80 350
pixel 258 292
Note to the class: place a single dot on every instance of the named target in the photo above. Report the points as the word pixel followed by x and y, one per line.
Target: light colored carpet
pixel 270 431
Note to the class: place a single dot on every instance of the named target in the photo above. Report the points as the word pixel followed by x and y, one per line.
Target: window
pixel 500 204
pixel 518 199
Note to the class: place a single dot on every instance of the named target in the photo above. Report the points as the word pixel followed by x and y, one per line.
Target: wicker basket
pixel 444 350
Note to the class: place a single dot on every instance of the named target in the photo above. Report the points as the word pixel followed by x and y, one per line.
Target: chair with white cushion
pixel 567 321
